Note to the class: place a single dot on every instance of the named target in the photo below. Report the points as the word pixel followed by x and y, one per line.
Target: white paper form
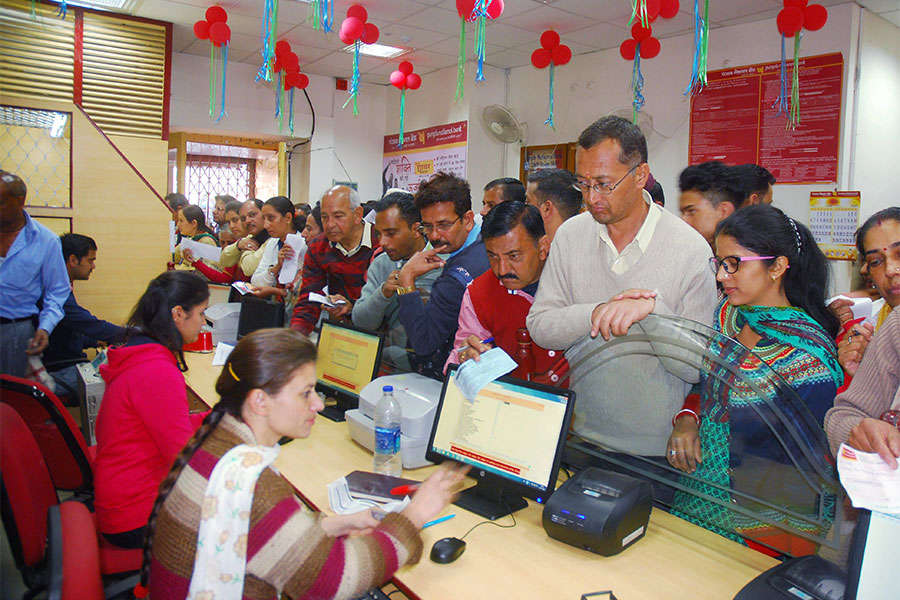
pixel 291 265
pixel 869 481
pixel 199 250
pixel 223 350
pixel 472 376
pixel 173 238
pixel 862 308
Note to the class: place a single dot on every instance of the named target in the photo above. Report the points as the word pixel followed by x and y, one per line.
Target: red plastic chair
pixel 74 561
pixel 27 495
pixel 66 453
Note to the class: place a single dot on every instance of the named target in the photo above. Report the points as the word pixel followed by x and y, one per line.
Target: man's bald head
pixel 12 187
pixel 12 201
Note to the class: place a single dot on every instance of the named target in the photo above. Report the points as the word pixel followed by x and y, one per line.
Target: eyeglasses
pixel 439 227
pixel 604 189
pixel 731 263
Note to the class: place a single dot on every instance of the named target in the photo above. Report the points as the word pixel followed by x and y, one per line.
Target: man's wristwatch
pixel 405 290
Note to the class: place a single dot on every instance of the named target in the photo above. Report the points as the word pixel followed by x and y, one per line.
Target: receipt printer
pixel 601 511
pixel 418 397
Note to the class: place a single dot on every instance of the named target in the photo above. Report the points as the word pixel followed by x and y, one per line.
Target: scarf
pixel 221 559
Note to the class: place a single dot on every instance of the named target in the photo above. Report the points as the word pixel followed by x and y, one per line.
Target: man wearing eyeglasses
pixel 608 269
pixel 445 203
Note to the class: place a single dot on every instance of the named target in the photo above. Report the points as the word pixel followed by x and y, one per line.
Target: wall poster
pixel 424 153
pixel 733 121
pixel 833 220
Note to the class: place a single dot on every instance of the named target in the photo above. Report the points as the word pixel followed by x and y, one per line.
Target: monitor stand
pixel 490 500
pixel 335 412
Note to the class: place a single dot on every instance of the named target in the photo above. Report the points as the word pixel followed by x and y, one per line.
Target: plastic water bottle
pixel 387 434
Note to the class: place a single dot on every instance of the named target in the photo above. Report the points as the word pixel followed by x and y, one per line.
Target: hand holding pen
pixel 474 348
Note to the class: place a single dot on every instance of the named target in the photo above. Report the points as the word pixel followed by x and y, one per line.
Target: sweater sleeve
pixel 230 255
pixel 214 275
pixel 368 311
pixel 94 329
pixel 295 555
pixel 874 387
pixel 163 408
pixel 429 325
pixel 554 321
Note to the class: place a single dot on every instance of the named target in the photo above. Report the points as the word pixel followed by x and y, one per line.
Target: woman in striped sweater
pixel 225 525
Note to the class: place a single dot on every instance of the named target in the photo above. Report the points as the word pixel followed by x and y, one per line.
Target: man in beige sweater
pixel 623 244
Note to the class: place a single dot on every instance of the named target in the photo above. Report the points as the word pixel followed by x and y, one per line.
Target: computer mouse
pixel 447 550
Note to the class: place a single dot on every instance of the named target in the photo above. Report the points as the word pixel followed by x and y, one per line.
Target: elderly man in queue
pixel 337 260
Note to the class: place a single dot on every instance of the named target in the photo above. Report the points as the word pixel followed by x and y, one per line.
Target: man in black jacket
pixel 445 202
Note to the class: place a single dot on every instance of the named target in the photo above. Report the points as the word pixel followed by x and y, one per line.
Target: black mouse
pixel 447 550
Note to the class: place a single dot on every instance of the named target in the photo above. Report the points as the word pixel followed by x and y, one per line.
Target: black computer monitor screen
pixel 512 434
pixel 347 360
pixel 872 559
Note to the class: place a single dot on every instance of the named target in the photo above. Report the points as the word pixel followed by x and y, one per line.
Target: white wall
pixel 250 106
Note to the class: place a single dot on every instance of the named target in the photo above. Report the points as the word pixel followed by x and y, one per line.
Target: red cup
pixel 202 344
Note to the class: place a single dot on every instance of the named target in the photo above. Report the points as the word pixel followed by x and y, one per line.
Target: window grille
pixel 209 176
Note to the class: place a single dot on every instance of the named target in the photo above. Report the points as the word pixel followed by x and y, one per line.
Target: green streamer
pixel 212 79
pixel 639 9
pixel 704 46
pixel 461 61
pixel 313 15
pixel 273 33
pixel 794 115
pixel 402 113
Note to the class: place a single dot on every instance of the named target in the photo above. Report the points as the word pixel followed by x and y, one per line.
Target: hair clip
pixel 233 374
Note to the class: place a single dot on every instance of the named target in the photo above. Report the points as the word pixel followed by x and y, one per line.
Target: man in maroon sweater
pixel 338 259
pixel 496 303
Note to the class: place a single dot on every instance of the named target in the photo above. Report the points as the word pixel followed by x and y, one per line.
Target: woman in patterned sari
pixel 730 432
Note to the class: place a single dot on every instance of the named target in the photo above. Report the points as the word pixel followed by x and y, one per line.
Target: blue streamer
pixel 781 102
pixel 63 9
pixel 326 9
pixel 698 42
pixel 637 86
pixel 268 22
pixel 479 15
pixel 291 117
pixel 224 73
pixel 280 87
pixel 354 81
pixel 549 121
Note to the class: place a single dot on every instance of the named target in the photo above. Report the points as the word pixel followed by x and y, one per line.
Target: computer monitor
pixel 258 313
pixel 872 559
pixel 347 360
pixel 512 434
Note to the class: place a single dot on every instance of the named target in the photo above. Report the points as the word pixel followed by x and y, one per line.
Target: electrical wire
pixel 312 131
pixel 494 523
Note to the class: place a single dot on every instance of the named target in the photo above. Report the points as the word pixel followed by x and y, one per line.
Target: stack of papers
pixel 343 503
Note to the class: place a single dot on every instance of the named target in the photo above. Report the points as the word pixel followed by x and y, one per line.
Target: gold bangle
pixel 405 290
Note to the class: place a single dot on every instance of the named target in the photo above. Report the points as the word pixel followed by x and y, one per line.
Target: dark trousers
pixel 127 539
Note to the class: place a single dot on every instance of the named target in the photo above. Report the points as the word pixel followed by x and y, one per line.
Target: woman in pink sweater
pixel 144 419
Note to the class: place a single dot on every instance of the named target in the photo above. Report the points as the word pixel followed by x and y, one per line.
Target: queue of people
pixel 569 256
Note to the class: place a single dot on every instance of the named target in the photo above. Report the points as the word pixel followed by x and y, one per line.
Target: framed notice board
pixel 733 121
pixel 550 156
pixel 833 220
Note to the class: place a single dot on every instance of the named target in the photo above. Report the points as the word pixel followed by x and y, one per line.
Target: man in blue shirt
pixel 79 329
pixel 33 280
pixel 445 203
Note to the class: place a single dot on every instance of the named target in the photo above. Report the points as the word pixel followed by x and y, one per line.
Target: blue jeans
pixel 14 338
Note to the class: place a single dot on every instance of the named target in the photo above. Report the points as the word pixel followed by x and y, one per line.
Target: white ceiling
pixel 430 29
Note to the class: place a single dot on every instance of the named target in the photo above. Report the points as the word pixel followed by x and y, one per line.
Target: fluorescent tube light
pixel 378 50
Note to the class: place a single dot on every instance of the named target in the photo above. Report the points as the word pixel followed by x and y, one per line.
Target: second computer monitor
pixel 347 360
pixel 512 434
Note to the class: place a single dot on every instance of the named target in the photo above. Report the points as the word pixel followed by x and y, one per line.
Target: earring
pixel 774 278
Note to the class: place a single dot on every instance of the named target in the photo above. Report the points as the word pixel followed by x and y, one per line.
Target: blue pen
pixel 436 521
pixel 489 340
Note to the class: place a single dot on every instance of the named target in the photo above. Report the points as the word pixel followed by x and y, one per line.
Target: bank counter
pixel 674 560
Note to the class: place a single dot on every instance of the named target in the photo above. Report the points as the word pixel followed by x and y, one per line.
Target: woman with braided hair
pixel 226 525
pixel 774 277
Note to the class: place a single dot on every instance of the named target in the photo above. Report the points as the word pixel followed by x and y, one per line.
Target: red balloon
pixel 358 11
pixel 302 81
pixel 814 17
pixel 628 49
pixel 639 32
pixel 291 62
pixel 561 55
pixel 370 33
pixel 216 14
pixel 650 48
pixel 541 57
pixel 549 39
pixel 398 79
pixel 653 7
pixel 801 4
pixel 668 8
pixel 413 81
pixel 220 32
pixel 287 82
pixel 201 29
pixel 790 21
pixel 354 27
pixel 345 37
pixel 405 67
pixel 277 66
pixel 215 43
pixel 495 9
pixel 465 8
pixel 282 46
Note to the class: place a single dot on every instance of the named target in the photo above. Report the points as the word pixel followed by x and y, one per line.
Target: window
pixel 209 176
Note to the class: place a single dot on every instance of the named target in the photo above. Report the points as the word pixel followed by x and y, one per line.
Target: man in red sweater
pixel 496 303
